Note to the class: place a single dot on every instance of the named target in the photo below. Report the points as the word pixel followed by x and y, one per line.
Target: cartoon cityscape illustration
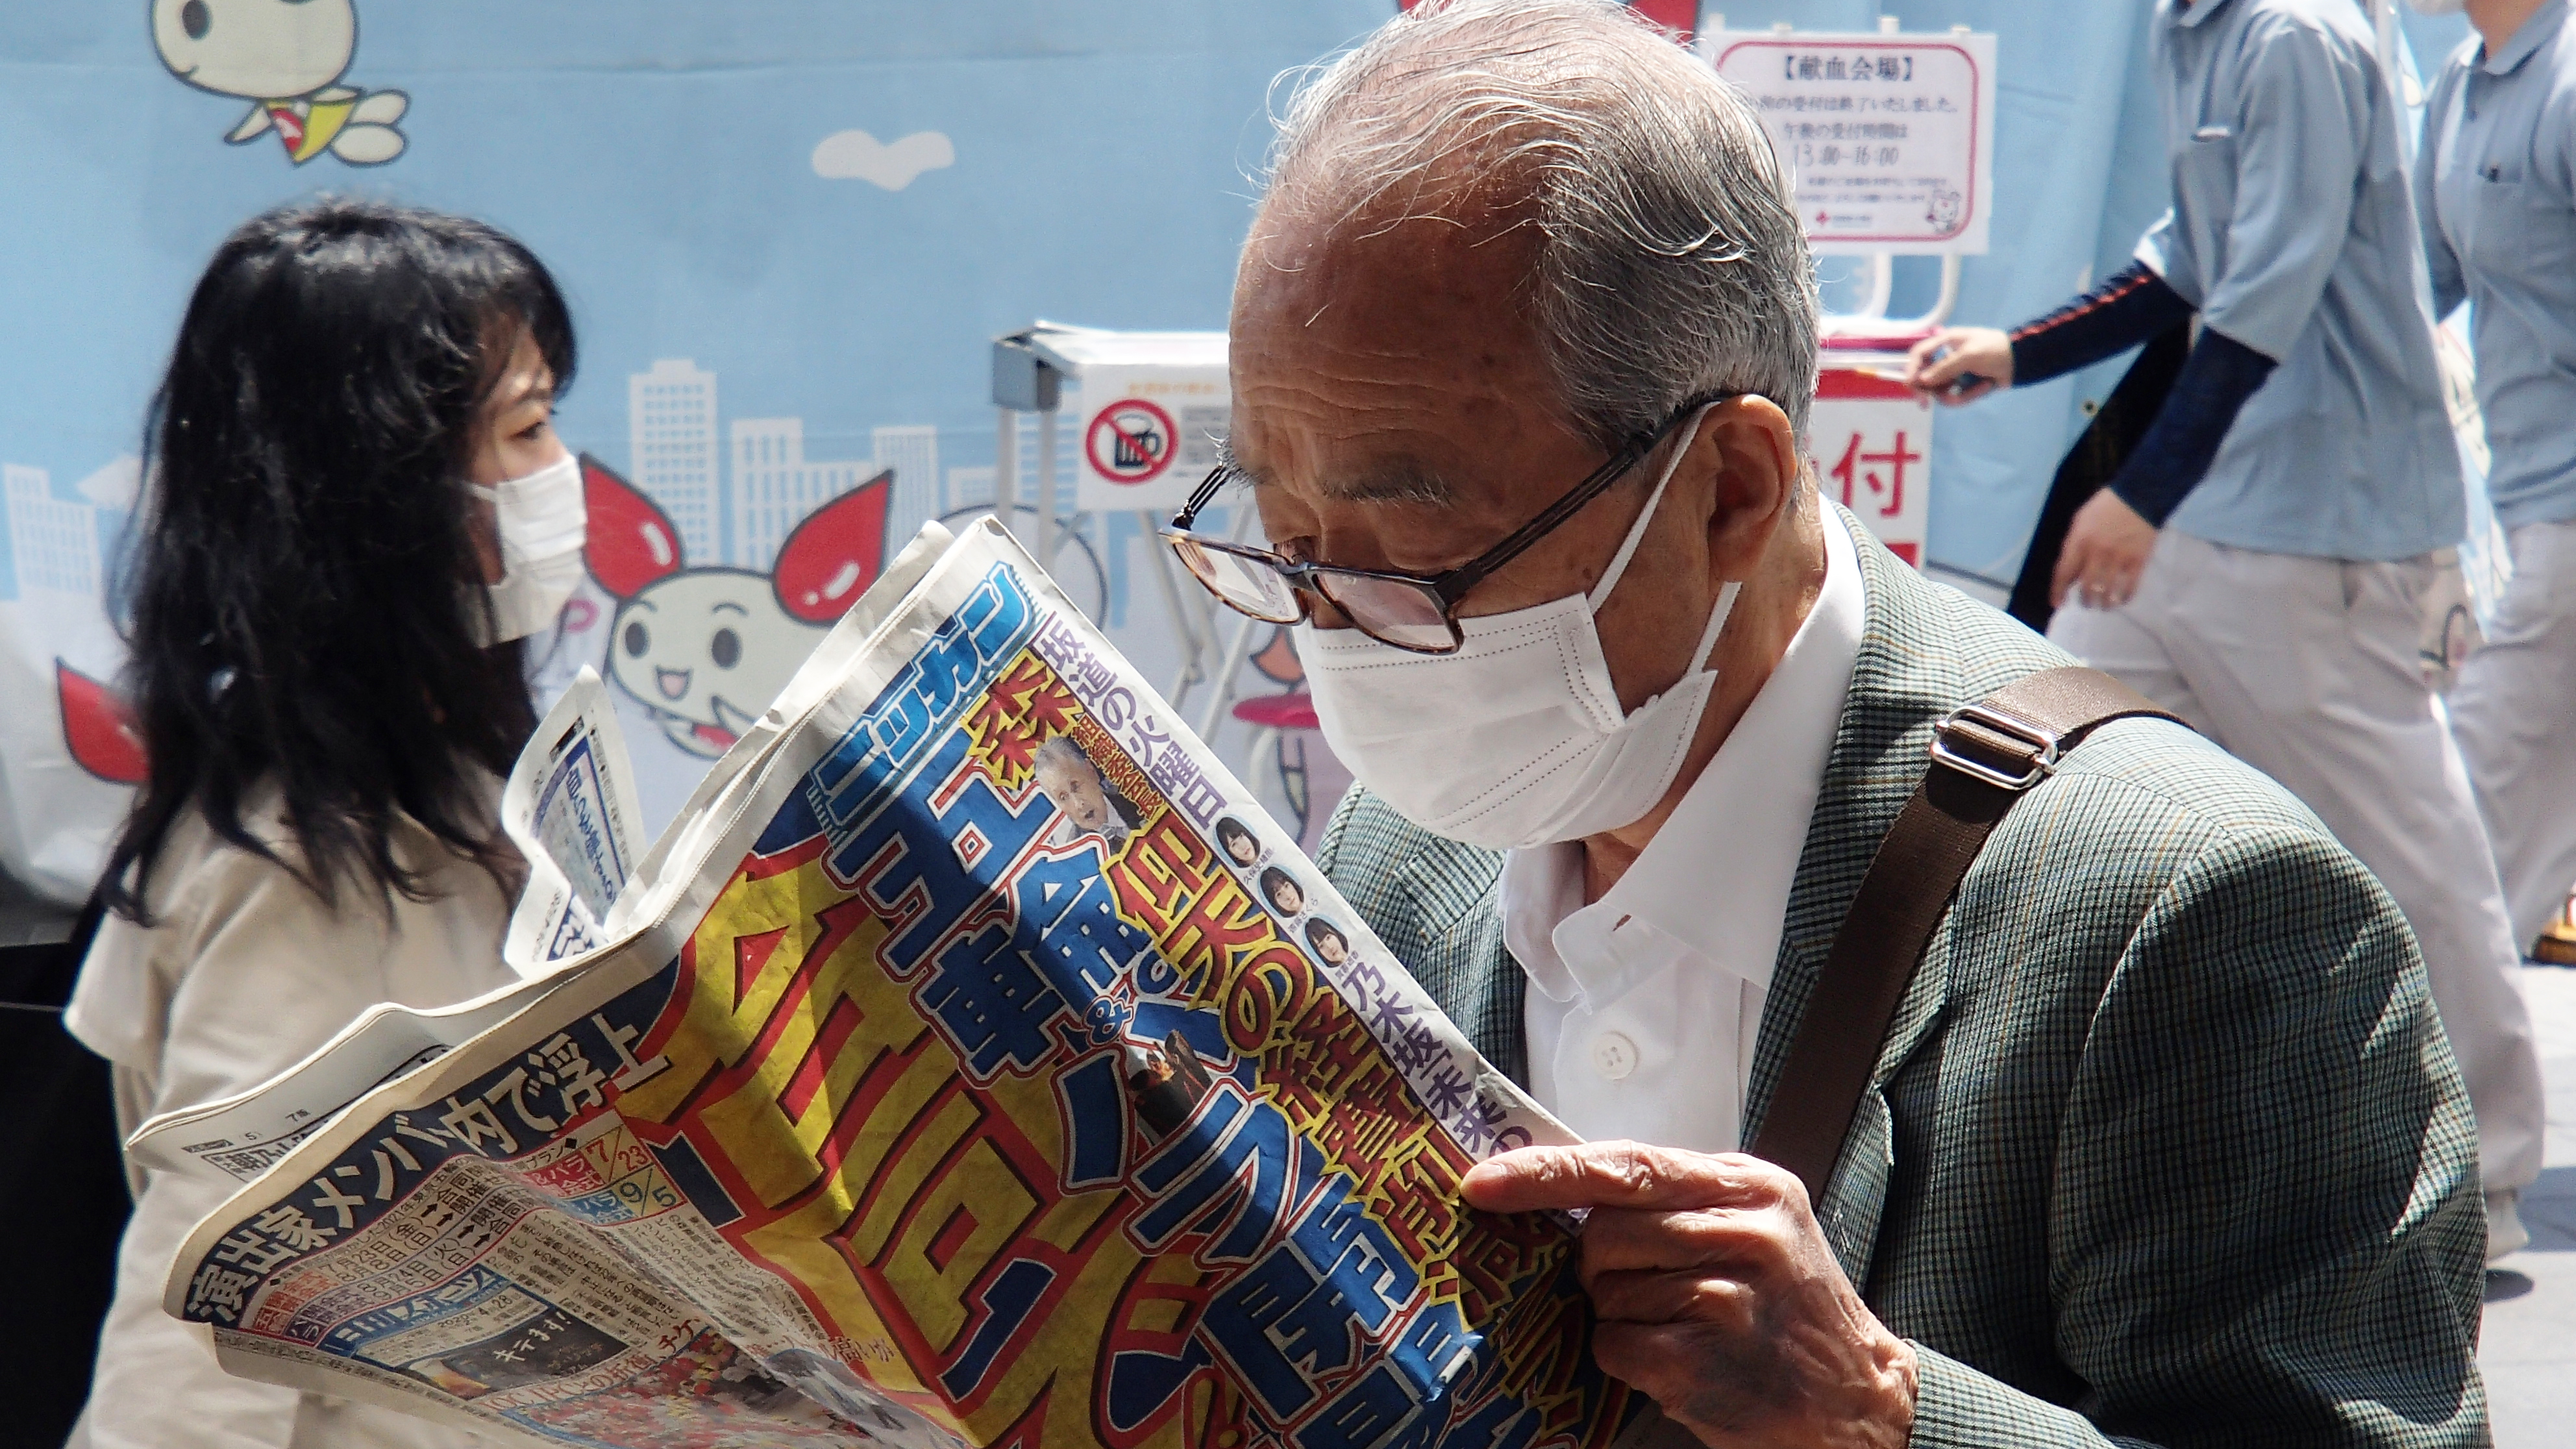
pixel 716 560
pixel 61 546
pixel 734 495
pixel 738 514
pixel 740 554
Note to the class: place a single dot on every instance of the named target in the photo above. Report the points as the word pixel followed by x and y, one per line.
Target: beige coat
pixel 244 972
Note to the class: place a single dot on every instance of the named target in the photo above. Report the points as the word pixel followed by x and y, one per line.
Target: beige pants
pixel 2305 669
pixel 2515 714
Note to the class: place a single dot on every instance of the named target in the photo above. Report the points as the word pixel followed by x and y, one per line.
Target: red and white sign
pixel 1869 439
pixel 1890 138
pixel 1131 441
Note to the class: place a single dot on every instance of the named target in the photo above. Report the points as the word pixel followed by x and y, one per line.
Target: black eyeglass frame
pixel 1448 588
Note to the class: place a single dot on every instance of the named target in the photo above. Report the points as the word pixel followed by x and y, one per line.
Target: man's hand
pixel 2106 549
pixel 1717 1295
pixel 1939 363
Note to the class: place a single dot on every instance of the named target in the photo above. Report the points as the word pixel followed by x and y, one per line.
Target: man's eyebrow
pixel 1235 472
pixel 1391 483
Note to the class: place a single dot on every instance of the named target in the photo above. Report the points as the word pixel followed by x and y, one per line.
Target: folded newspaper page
pixel 570 808
pixel 243 1136
pixel 973 1063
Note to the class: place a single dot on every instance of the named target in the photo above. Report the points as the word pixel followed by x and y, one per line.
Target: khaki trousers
pixel 2514 711
pixel 2305 669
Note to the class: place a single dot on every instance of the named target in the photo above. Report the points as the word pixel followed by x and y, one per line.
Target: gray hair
pixel 1671 264
pixel 1059 752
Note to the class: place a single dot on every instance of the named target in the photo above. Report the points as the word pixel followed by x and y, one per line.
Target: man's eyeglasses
pixel 1418 612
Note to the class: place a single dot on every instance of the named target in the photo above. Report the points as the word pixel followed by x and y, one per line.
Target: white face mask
pixel 544 522
pixel 1517 739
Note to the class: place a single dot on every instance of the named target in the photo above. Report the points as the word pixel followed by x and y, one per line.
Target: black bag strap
pixel 1984 757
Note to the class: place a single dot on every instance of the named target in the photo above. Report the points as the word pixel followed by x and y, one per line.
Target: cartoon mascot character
pixel 707 648
pixel 286 58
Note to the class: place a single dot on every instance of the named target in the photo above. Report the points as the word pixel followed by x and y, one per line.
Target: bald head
pixel 1659 258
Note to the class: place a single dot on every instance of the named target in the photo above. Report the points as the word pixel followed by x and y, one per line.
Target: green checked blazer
pixel 2165 1145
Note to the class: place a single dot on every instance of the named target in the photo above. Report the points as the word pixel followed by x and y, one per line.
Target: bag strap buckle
pixel 1992 732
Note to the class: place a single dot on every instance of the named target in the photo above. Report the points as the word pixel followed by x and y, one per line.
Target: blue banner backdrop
pixel 789 228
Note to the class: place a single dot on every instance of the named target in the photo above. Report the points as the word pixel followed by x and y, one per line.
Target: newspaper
pixel 570 808
pixel 243 1134
pixel 972 1063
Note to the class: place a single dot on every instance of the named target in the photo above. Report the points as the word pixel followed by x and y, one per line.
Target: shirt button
pixel 1613 1055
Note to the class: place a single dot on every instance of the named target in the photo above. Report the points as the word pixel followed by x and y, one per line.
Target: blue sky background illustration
pixel 656 153
pixel 659 155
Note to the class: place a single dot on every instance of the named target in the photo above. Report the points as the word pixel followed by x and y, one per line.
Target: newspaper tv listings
pixel 973 1063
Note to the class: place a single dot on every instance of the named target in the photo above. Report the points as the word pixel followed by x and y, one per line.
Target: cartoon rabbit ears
pixel 98 728
pixel 822 568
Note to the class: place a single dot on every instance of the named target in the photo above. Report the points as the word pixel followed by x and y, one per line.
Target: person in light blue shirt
pixel 2496 193
pixel 2262 562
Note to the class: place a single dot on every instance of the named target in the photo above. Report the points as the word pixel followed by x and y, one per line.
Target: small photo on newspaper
pixel 973 1063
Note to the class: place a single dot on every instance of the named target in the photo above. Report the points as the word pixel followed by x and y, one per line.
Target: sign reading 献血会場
pixel 1890 138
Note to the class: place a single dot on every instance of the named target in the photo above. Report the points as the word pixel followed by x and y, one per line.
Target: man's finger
pixel 1938 374
pixel 1663 1361
pixel 1692 1296
pixel 1615 1174
pixel 1745 1240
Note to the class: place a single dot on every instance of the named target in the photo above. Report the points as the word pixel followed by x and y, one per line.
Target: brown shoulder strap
pixel 1984 756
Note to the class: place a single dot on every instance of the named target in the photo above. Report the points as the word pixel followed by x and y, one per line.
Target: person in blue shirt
pixel 2495 191
pixel 2261 563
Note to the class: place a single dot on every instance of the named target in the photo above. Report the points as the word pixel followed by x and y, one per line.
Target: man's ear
pixel 1749 450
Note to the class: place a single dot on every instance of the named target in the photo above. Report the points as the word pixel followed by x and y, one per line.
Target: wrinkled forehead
pixel 1411 260
pixel 1376 356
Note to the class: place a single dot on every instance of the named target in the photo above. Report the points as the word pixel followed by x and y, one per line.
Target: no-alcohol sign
pixel 1131 441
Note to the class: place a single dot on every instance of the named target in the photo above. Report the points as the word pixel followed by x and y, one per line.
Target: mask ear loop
pixel 1716 624
pixel 1610 576
pixel 1637 533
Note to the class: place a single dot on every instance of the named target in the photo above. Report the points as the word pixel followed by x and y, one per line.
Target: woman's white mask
pixel 544 522
pixel 1517 739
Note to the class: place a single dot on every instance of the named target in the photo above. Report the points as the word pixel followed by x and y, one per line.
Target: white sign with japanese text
pixel 1890 137
pixel 1869 440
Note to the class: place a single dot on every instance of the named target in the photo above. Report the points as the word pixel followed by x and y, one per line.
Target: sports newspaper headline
pixel 971 1062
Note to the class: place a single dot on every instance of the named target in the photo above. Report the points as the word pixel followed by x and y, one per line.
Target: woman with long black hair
pixel 356 507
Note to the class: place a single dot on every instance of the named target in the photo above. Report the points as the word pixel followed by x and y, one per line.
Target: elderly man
pixel 2164 1141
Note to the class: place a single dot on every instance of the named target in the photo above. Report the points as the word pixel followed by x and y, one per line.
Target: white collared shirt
pixel 1644 1005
